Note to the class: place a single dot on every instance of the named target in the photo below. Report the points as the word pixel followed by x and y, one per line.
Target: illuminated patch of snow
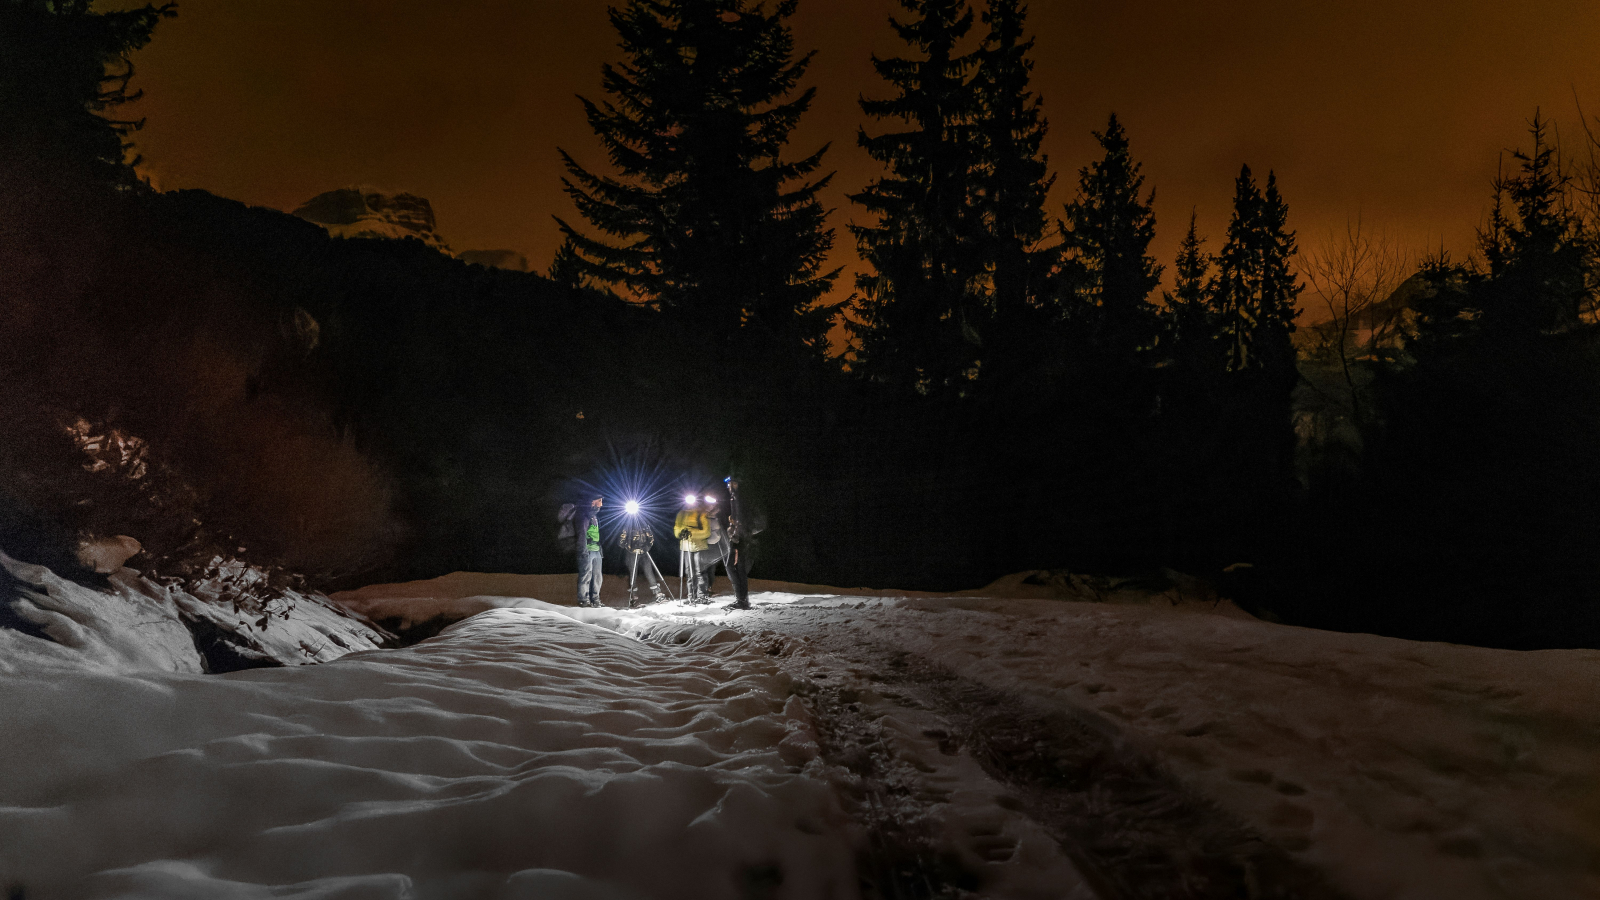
pixel 522 753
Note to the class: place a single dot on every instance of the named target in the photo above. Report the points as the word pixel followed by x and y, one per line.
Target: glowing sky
pixel 1396 110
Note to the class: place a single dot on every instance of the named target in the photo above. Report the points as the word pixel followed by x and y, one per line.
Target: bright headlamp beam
pixel 631 507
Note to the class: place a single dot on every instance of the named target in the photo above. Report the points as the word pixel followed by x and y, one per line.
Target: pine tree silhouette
pixel 1015 179
pixel 1539 261
pixel 1279 287
pixel 1189 320
pixel 921 305
pixel 1254 291
pixel 63 69
pixel 706 219
pixel 1108 272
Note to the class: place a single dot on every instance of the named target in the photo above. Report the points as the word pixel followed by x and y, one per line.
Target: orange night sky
pixel 1395 110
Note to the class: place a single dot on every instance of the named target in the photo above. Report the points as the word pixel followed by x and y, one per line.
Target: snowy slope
pixel 523 754
pixel 139 625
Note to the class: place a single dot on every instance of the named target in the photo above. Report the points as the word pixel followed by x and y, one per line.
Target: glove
pixel 683 535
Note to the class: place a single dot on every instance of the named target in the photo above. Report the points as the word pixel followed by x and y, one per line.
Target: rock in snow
pixel 106 555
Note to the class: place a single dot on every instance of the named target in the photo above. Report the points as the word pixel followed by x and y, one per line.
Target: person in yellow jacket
pixel 692 528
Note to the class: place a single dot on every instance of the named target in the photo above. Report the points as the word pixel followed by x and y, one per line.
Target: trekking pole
pixel 660 578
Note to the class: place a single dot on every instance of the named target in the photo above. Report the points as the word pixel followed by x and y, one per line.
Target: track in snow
pixel 1132 830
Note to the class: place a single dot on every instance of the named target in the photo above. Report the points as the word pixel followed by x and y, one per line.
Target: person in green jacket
pixel 589 553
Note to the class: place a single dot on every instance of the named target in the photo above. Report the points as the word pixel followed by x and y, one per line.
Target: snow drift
pixel 522 754
pixel 137 624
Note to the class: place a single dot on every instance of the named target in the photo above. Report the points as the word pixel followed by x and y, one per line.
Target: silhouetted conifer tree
pixel 1539 260
pixel 1188 309
pixel 1015 177
pixel 1253 294
pixel 63 68
pixel 1443 306
pixel 1536 272
pixel 922 304
pixel 1108 272
pixel 707 219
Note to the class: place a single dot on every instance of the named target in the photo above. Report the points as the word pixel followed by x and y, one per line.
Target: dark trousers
pixel 737 561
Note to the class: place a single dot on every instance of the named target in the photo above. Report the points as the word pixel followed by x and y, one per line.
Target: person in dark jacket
pixel 636 540
pixel 744 522
pixel 587 520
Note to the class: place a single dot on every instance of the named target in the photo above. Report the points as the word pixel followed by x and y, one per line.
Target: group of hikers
pixel 708 532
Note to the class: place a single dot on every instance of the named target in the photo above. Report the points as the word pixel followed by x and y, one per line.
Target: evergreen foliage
pixel 1188 312
pixel 921 304
pixel 1254 292
pixel 1014 178
pixel 1536 270
pixel 706 219
pixel 1539 261
pixel 1108 272
pixel 63 69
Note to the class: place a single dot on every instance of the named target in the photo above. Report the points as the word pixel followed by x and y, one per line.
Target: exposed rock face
pixel 359 212
pixel 106 555
pixel 496 259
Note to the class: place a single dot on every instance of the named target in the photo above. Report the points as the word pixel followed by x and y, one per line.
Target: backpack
pixel 567 526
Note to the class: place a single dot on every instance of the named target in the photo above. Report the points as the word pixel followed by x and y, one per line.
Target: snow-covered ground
pixel 136 624
pixel 522 754
pixel 829 743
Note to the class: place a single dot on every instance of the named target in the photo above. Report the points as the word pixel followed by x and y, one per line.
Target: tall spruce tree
pixel 64 69
pixel 706 219
pixel 1108 272
pixel 1536 272
pixel 1253 294
pixel 1014 180
pixel 1188 312
pixel 921 305
pixel 1280 288
pixel 1539 260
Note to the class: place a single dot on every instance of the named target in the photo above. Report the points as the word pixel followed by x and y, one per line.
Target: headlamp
pixel 631 507
pixel 710 499
pixel 689 499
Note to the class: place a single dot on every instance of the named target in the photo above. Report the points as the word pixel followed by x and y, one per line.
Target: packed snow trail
pixel 1133 830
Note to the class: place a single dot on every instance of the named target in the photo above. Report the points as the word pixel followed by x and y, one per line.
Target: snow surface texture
pixel 139 625
pixel 1397 769
pixel 697 751
pixel 522 754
